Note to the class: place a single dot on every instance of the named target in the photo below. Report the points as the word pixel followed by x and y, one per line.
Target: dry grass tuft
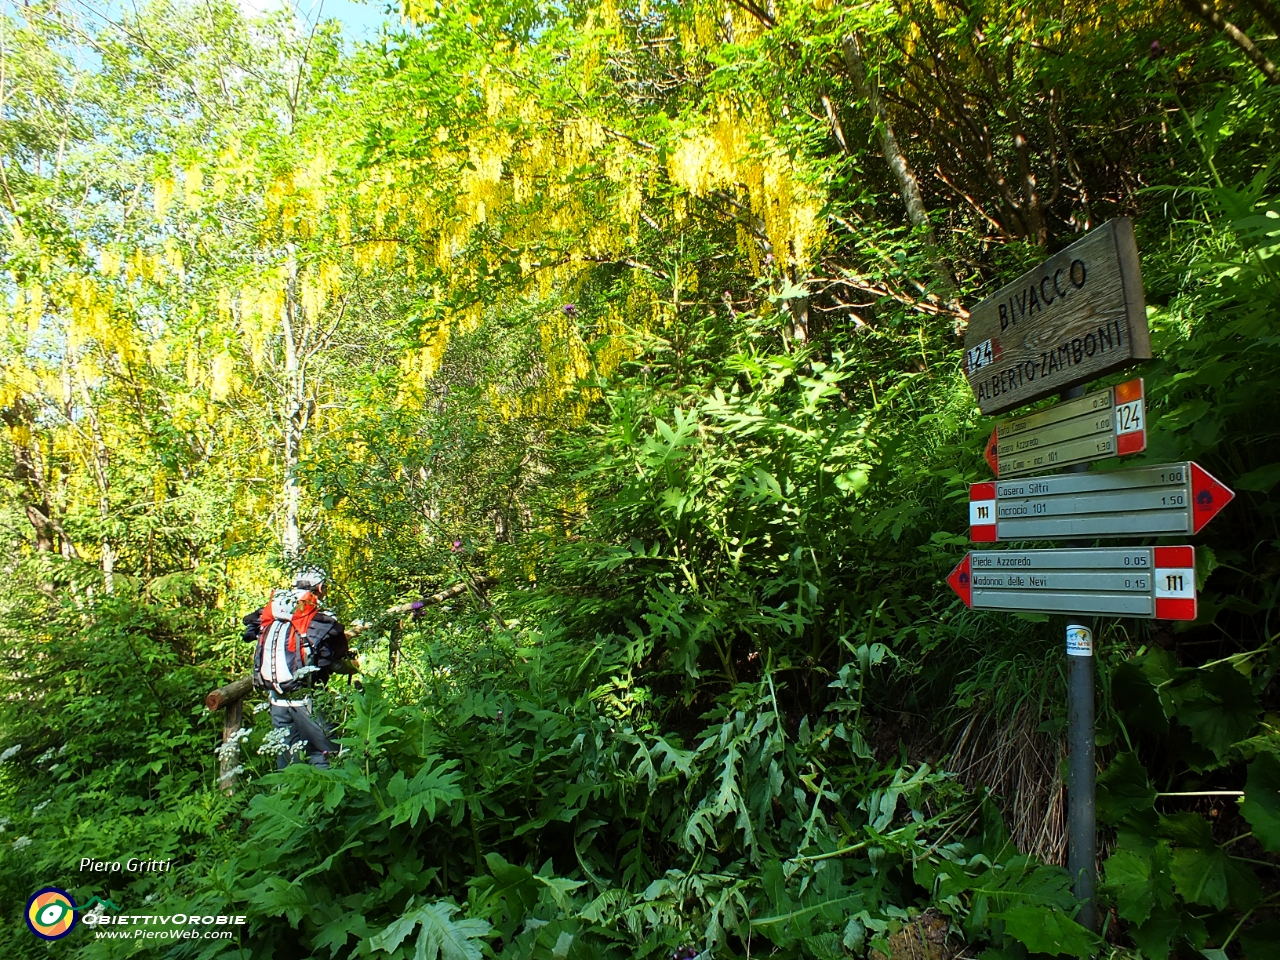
pixel 1020 767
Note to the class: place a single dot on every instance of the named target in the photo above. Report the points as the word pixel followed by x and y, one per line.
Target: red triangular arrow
pixel 1208 496
pixel 990 453
pixel 962 582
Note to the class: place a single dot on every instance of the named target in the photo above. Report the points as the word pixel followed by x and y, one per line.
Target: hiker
pixel 299 645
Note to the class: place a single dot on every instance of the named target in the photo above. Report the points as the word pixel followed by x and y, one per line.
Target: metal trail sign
pixel 1106 423
pixel 1141 501
pixel 1147 582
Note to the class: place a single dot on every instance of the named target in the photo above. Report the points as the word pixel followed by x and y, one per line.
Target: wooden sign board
pixel 1106 423
pixel 1068 321
pixel 1142 501
pixel 1148 582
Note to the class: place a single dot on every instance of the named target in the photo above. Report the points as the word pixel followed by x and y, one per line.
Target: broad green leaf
pixel 1218 705
pixel 1200 875
pixel 1261 480
pixel 434 785
pixel 440 937
pixel 1261 806
pixel 1128 879
pixel 1155 935
pixel 560 889
pixel 1261 941
pixel 1136 700
pixel 1123 788
pixel 1047 931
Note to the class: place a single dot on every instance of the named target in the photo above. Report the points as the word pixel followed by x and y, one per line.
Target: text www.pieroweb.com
pixel 172 927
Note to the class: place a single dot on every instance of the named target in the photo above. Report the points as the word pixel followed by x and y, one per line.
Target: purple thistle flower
pixel 570 309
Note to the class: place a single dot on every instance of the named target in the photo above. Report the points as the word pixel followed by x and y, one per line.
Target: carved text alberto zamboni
pixel 1076 316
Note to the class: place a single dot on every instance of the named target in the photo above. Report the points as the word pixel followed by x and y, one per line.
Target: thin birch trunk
pixel 1208 13
pixel 294 425
pixel 899 166
pixel 102 476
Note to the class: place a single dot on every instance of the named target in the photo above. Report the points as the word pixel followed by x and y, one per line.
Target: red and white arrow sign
pixel 1106 423
pixel 1208 496
pixel 1149 582
pixel 1170 498
pixel 961 581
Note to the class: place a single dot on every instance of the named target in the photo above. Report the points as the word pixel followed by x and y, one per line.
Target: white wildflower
pixel 259 707
pixel 231 774
pixel 304 671
pixel 46 756
pixel 296 748
pixel 22 843
pixel 275 743
pixel 62 750
pixel 12 751
pixel 229 749
pixel 4 822
pixel 35 811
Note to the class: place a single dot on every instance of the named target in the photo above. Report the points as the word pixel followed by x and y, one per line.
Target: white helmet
pixel 310 579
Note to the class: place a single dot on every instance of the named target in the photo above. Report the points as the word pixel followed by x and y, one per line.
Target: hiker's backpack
pixel 284 651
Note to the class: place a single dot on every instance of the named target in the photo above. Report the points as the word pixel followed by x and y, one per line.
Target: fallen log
pixel 441 597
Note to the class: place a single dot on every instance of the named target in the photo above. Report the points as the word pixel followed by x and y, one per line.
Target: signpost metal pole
pixel 1082 827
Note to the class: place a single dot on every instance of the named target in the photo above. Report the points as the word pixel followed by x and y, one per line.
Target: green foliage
pixel 626 333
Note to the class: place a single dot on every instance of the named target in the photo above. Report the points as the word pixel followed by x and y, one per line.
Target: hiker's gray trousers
pixel 307 727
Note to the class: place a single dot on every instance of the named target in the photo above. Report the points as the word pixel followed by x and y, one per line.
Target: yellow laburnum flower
pixel 162 196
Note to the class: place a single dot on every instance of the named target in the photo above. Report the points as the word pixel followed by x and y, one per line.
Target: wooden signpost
pixel 1076 316
pixel 1170 498
pixel 1106 423
pixel 1145 582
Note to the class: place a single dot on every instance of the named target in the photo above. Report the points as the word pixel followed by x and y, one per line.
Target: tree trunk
pixel 28 473
pixel 1207 12
pixel 44 529
pixel 908 185
pixel 295 416
pixel 102 476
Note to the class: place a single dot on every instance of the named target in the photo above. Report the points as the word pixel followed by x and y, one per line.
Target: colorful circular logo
pixel 51 913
